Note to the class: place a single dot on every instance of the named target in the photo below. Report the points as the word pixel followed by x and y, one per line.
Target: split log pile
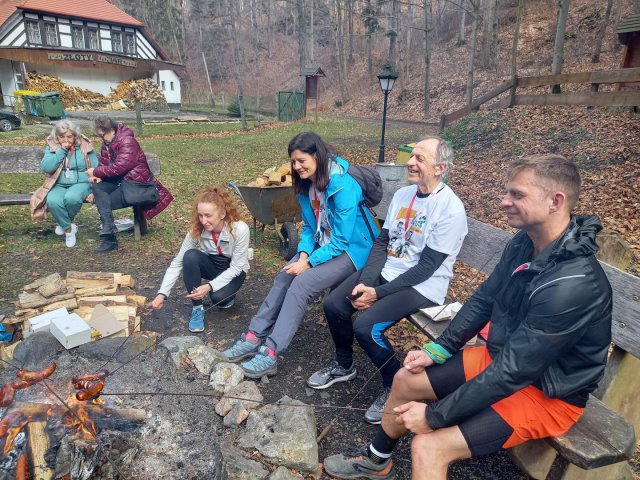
pixel 73 98
pixel 145 90
pixel 273 177
pixel 79 293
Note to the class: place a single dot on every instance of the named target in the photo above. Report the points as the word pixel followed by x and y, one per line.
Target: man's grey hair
pixel 444 153
pixel 63 126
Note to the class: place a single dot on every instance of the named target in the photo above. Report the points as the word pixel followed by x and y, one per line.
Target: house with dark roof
pixel 90 44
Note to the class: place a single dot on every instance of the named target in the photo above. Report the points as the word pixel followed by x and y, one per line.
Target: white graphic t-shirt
pixel 438 221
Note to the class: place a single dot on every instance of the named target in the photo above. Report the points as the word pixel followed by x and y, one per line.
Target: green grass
pixel 188 163
pixel 188 128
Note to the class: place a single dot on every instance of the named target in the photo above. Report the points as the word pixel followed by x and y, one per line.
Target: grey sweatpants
pixel 284 307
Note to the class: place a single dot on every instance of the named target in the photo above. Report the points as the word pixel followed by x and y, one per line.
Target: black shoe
pixel 109 242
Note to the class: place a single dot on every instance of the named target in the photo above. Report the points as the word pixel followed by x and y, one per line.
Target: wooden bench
pixel 604 435
pixel 26 159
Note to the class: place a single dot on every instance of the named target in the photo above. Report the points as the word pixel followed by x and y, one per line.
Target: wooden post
pixel 212 103
pixel 139 126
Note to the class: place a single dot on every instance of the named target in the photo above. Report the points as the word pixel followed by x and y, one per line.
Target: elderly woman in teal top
pixel 66 146
pixel 334 243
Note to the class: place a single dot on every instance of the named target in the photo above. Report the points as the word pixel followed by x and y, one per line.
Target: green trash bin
pixel 30 103
pixel 50 105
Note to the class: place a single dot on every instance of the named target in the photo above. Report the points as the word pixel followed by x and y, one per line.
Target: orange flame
pixel 11 435
pixel 78 419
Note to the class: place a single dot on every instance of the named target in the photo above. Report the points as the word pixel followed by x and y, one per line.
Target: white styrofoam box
pixel 71 331
pixel 41 323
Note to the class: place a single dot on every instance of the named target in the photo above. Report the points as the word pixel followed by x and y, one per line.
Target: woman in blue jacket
pixel 334 243
pixel 66 146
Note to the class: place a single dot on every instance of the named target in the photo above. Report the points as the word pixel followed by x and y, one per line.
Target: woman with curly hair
pixel 216 249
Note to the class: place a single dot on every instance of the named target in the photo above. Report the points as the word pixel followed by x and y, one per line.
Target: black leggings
pixel 197 265
pixel 369 327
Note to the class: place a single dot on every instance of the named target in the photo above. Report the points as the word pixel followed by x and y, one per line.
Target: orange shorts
pixel 528 412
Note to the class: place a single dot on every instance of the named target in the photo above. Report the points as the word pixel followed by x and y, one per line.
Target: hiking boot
pixel 332 374
pixel 356 464
pixel 196 322
pixel 59 230
pixel 109 242
pixel 241 349
pixel 70 237
pixel 261 364
pixel 373 415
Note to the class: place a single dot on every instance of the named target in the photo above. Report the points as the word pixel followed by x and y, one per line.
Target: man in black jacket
pixel 549 303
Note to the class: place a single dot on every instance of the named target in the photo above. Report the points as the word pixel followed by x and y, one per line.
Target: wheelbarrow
pixel 271 206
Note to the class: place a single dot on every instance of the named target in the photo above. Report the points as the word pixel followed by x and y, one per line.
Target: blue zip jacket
pixel 77 165
pixel 349 231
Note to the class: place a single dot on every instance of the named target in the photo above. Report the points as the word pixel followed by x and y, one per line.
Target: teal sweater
pixel 77 165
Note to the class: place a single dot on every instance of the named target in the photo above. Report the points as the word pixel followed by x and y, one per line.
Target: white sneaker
pixel 70 238
pixel 59 230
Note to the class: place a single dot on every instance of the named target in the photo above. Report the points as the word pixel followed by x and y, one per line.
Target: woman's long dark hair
pixel 309 142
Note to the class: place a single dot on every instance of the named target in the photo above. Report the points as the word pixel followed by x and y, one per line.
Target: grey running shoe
pixel 241 350
pixel 357 464
pixel 260 365
pixel 332 374
pixel 374 413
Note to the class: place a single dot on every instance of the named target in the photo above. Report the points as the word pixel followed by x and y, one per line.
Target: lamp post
pixel 387 77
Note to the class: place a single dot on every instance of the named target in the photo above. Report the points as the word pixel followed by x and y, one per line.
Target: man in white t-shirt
pixel 409 267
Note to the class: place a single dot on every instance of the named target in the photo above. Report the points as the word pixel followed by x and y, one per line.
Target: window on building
pixel 51 34
pixel 94 43
pixel 33 33
pixel 163 85
pixel 116 41
pixel 77 37
pixel 131 44
pixel 171 84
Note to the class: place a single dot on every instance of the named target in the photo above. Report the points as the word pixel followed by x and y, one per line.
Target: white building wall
pixel 96 80
pixel 7 81
pixel 169 82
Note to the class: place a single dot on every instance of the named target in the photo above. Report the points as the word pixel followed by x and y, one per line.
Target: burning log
pixel 8 421
pixel 38 446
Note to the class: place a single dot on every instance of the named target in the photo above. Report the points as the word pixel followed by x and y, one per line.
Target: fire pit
pixel 47 433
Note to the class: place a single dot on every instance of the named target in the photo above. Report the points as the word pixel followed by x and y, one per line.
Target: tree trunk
pixel 269 31
pixel 392 32
pixel 370 25
pixel 489 33
pixel 595 58
pixel 558 47
pixel 516 39
pixel 313 35
pixel 463 18
pixel 350 29
pixel 237 61
pixel 427 54
pixel 340 53
pixel 475 5
pixel 301 33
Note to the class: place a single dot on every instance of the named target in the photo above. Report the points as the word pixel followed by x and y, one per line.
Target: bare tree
pixel 392 33
pixel 370 14
pixel 595 58
pixel 516 39
pixel 233 9
pixel 463 18
pixel 301 33
pixel 489 33
pixel 558 47
pixel 475 12
pixel 340 53
pixel 427 17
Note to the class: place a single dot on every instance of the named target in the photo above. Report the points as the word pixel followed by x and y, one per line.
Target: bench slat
pixel 601 437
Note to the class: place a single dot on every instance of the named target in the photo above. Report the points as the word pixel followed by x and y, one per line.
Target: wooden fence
pixel 621 98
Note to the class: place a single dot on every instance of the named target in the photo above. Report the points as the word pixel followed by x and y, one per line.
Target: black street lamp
pixel 387 77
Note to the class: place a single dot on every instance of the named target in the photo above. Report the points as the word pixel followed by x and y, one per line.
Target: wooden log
pixel 100 290
pixel 106 300
pixel 600 76
pixel 139 300
pixel 624 98
pixel 105 418
pixel 33 286
pixel 70 304
pixel 53 286
pixel 90 279
pixel 38 446
pixel 34 299
pixel 274 178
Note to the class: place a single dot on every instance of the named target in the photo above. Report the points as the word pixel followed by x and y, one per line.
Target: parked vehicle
pixel 8 121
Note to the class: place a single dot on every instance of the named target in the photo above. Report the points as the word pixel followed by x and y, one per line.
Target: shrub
pixel 234 108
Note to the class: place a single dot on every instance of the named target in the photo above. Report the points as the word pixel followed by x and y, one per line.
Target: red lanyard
pixel 316 208
pixel 68 159
pixel 406 222
pixel 216 241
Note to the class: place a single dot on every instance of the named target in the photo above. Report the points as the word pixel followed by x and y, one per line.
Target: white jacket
pixel 234 245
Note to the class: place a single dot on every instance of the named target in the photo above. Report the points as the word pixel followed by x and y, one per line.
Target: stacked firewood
pixel 273 177
pixel 145 90
pixel 72 97
pixel 79 293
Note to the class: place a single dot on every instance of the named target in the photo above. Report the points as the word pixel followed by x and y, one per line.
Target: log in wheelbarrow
pixel 273 206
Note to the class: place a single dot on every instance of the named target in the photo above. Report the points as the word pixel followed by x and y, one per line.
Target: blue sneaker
pixel 261 364
pixel 196 323
pixel 241 349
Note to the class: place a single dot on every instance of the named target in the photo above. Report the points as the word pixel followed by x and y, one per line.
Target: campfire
pixel 63 435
